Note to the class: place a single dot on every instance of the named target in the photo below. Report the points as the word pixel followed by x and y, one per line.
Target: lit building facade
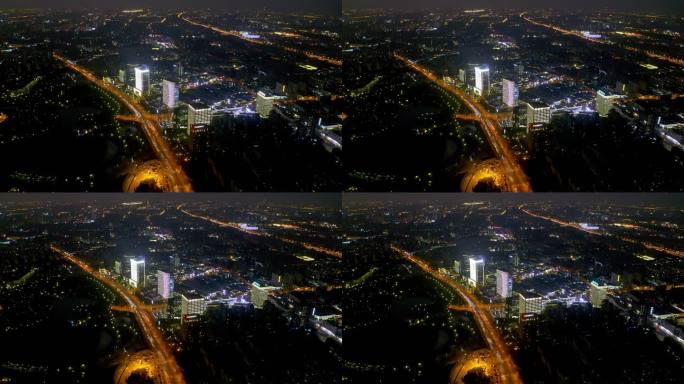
pixel 509 93
pixel 538 113
pixel 605 102
pixel 164 284
pixel 476 270
pixel 198 114
pixel 137 272
pixel 504 284
pixel 142 80
pixel 265 103
pixel 482 80
pixel 192 305
pixel 170 93
pixel 259 292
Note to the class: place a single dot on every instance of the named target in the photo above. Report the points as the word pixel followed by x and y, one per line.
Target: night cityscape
pixel 221 191
pixel 238 289
pixel 451 99
pixel 510 289
pixel 169 100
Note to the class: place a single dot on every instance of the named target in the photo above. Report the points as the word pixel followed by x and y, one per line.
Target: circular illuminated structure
pixel 143 361
pixel 487 176
pixel 477 361
pixel 148 177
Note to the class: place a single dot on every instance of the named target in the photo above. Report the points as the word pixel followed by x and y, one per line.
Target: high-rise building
pixel 519 71
pixel 538 112
pixel 598 291
pixel 476 270
pixel 264 103
pixel 504 284
pixel 117 267
pixel 138 272
pixel 259 292
pixel 482 80
pixel 462 75
pixel 530 303
pixel 170 93
pixel 192 304
pixel 198 114
pixel 457 267
pixel 142 80
pixel 509 93
pixel 164 284
pixel 605 102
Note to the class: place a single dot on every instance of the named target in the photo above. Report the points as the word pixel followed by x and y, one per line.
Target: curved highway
pixel 169 370
pixel 517 180
pixel 503 361
pixel 179 180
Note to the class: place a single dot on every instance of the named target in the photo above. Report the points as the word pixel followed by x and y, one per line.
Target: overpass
pixel 179 180
pixel 166 365
pixel 517 181
pixel 501 357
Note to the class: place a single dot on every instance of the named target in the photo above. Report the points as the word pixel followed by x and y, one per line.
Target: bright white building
pixel 137 272
pixel 482 80
pixel 476 270
pixel 142 80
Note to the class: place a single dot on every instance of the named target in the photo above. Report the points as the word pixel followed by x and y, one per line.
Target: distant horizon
pixel 327 7
pixel 676 6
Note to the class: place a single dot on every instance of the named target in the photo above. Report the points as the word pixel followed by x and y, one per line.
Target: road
pixel 517 180
pixel 506 368
pixel 309 54
pixel 169 370
pixel 179 180
pixel 654 55
pixel 577 226
pixel 309 246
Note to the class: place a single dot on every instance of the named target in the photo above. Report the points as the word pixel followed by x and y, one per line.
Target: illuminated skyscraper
pixel 509 93
pixel 198 114
pixel 259 293
pixel 264 103
pixel 192 305
pixel 605 102
pixel 538 112
pixel 482 80
pixel 530 303
pixel 164 284
pixel 170 93
pixel 476 270
pixel 598 291
pixel 142 80
pixel 138 272
pixel 504 284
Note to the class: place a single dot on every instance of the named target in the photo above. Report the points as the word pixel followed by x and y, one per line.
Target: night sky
pixel 317 6
pixel 655 5
pixel 334 6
